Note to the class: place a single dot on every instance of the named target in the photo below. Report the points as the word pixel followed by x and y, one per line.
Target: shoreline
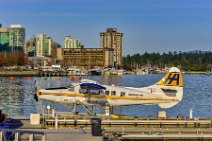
pixel 42 73
pixel 196 72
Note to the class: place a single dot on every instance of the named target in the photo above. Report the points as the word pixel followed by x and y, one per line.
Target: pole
pixel 16 136
pixel 56 122
pixel 34 61
pixel 31 137
pixel 190 113
pixel 1 136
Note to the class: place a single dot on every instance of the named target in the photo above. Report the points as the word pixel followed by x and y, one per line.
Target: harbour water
pixel 17 96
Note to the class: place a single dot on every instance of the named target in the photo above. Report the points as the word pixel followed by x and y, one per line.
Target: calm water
pixel 16 96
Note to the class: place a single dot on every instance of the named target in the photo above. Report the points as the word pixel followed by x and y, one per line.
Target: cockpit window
pixel 71 89
pixel 94 91
pixel 89 90
pixel 83 91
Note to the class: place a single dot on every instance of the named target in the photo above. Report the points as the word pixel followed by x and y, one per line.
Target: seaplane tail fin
pixel 172 78
pixel 172 86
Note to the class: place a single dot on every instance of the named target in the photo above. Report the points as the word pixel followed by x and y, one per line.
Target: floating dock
pixel 113 128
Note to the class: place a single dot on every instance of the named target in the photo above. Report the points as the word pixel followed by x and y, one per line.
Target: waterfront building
pixel 56 53
pixel 30 49
pixel 70 42
pixel 59 56
pixel 17 37
pixel 113 39
pixel 4 39
pixel 43 45
pixel 87 57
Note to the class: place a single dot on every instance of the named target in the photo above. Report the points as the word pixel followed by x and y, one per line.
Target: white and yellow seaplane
pixel 166 93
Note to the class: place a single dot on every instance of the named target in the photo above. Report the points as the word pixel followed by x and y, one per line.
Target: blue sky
pixel 148 25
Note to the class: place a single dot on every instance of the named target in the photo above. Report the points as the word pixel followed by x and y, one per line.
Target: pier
pixel 124 128
pixel 113 128
pixel 32 73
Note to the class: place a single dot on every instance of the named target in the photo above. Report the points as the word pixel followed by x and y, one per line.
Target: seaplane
pixel 166 93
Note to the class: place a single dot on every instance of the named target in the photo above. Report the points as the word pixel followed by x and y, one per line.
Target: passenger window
pixel 122 94
pixel 101 92
pixel 113 92
pixel 107 92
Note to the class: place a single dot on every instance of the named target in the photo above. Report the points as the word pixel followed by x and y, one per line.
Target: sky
pixel 148 25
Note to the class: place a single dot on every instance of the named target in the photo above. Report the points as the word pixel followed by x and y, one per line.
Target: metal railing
pixel 16 135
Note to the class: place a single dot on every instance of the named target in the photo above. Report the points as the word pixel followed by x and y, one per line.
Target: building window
pixel 113 92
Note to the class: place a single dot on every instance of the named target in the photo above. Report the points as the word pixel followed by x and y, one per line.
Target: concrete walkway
pixel 67 134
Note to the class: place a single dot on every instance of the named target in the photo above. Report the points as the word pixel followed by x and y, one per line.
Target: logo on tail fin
pixel 171 79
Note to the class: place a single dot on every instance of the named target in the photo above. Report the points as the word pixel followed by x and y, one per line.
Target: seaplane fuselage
pixel 165 93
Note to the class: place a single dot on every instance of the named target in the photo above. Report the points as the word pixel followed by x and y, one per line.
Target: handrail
pixel 17 133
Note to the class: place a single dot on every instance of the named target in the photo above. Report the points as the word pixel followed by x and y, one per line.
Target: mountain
pixel 197 52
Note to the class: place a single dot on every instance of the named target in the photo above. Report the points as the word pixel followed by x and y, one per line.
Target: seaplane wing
pixel 166 93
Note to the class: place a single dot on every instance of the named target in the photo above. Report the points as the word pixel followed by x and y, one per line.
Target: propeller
pixel 35 95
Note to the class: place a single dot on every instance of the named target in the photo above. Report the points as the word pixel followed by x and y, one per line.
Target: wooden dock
pixel 142 128
pixel 114 129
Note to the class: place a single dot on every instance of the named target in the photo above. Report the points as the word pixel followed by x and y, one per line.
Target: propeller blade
pixel 35 97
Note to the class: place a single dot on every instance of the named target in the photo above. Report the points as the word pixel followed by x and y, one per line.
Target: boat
pixel 75 71
pixel 95 72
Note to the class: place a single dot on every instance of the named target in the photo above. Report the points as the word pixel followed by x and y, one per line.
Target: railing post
pixel 56 122
pixel 17 136
pixel 31 137
pixel 190 113
pixel 44 137
pixel 1 136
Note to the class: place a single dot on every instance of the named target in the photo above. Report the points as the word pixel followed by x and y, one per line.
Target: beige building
pixel 59 54
pixel 70 42
pixel 113 39
pixel 87 57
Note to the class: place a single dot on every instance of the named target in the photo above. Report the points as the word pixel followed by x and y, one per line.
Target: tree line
pixel 15 58
pixel 185 61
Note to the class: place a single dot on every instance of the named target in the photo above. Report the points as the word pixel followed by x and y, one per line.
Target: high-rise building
pixel 43 45
pixel 113 39
pixel 4 39
pixel 70 42
pixel 0 25
pixel 17 37
pixel 30 49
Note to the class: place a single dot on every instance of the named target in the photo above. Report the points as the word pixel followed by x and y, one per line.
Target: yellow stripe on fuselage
pixel 104 96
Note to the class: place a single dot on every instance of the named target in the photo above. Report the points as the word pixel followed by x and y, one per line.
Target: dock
pixel 32 73
pixel 113 128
